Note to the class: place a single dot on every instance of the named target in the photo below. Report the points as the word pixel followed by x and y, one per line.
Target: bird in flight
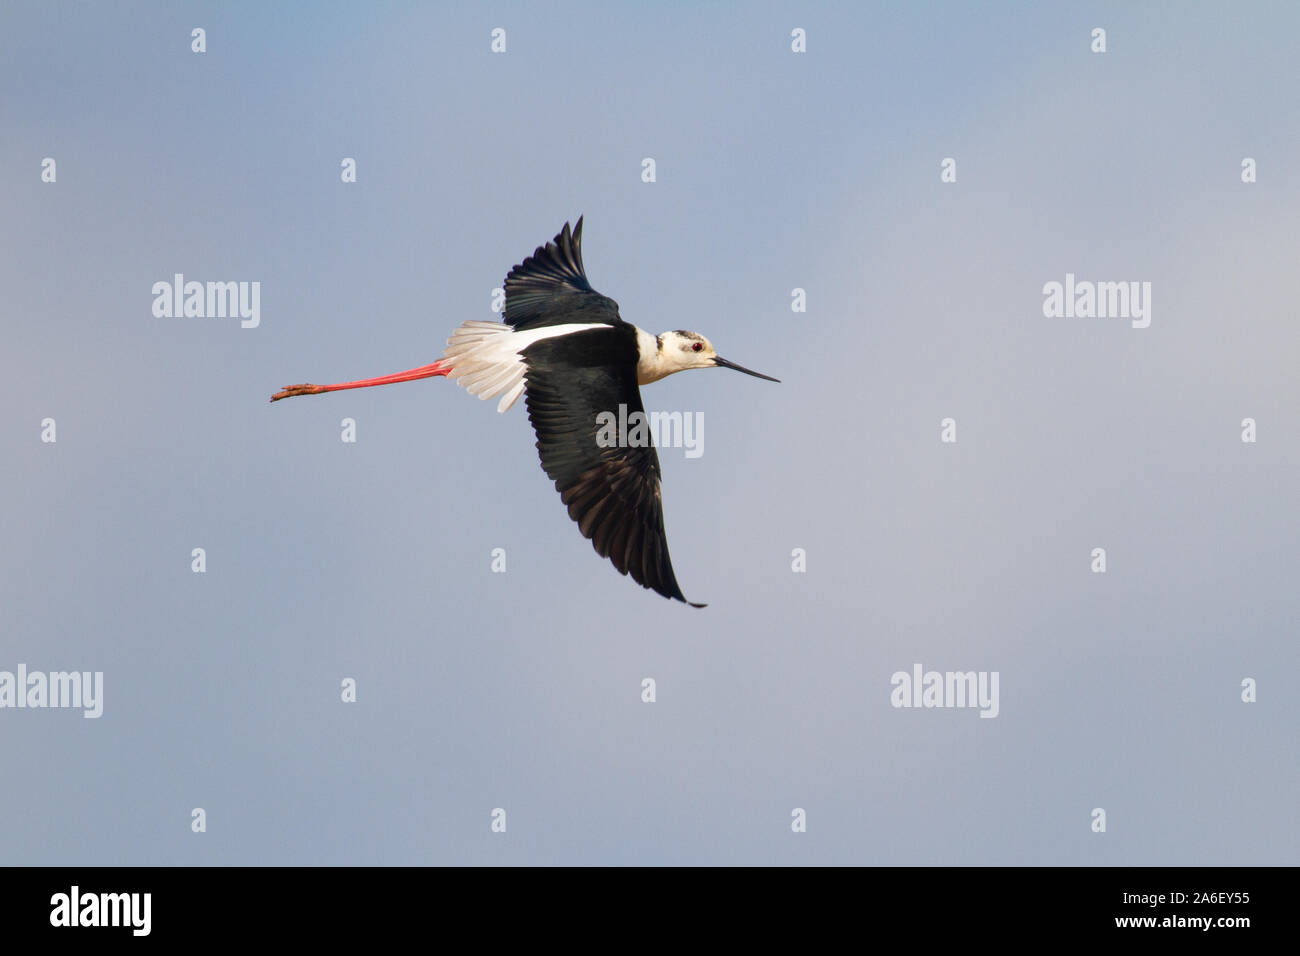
pixel 564 347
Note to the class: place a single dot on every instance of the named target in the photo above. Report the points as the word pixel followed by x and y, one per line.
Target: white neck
pixel 650 366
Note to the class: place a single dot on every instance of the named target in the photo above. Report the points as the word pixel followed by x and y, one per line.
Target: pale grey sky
pixel 775 170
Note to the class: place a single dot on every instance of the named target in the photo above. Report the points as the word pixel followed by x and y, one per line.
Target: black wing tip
pixel 668 587
pixel 553 268
pixel 568 238
pixel 673 591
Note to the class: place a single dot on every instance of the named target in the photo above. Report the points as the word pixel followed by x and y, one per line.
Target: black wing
pixel 612 493
pixel 551 288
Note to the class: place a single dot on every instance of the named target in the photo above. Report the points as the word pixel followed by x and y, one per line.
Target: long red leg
pixel 424 371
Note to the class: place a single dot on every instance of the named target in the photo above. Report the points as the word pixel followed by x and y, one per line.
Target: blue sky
pixel 522 690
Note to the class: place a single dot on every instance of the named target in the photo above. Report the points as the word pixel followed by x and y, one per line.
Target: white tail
pixel 487 357
pixel 486 360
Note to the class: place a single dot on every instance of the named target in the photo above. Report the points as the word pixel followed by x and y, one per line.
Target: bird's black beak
pixel 719 361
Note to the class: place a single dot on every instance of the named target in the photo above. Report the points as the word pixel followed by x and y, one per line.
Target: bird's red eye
pixel 696 347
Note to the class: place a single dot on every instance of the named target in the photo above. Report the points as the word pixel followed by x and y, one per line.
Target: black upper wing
pixel 551 288
pixel 611 492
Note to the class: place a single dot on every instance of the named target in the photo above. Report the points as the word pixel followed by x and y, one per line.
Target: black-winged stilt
pixel 565 348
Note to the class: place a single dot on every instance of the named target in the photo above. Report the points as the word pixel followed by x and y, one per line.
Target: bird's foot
pixel 291 390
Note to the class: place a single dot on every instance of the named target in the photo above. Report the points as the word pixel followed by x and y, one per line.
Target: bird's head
pixel 682 350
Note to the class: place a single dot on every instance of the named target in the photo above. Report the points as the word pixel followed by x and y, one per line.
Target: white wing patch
pixel 485 357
